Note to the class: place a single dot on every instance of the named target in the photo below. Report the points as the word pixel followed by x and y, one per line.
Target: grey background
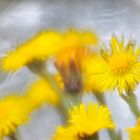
pixel 20 19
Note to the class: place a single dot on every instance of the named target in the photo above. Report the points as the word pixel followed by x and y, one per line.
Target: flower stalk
pixel 112 133
pixel 100 98
pixel 13 136
pixel 131 100
pixel 66 101
pixel 93 137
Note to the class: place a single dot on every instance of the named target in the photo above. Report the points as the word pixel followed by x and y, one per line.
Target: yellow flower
pixel 14 111
pixel 44 45
pixel 85 122
pixel 88 120
pixel 75 38
pixel 68 60
pixel 65 133
pixel 41 92
pixel 68 63
pixel 59 80
pixel 134 133
pixel 118 68
pixel 38 47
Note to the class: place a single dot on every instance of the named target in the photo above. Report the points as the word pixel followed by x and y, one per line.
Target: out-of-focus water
pixel 20 19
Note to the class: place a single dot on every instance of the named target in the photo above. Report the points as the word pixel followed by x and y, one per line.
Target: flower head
pixel 68 60
pixel 44 45
pixel 134 133
pixel 65 133
pixel 38 47
pixel 118 68
pixel 41 92
pixel 85 122
pixel 68 63
pixel 14 112
pixel 77 38
pixel 88 120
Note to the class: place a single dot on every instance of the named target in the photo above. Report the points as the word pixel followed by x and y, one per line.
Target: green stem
pixel 112 133
pixel 13 136
pixel 94 137
pixel 119 136
pixel 65 100
pixel 64 105
pixel 39 68
pixel 100 98
pixel 131 100
pixel 75 99
pixel 63 112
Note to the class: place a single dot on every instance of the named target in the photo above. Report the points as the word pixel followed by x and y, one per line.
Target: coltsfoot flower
pixel 68 63
pixel 119 68
pixel 68 60
pixel 79 38
pixel 15 112
pixel 66 133
pixel 40 93
pixel 43 45
pixel 85 122
pixel 39 47
pixel 134 133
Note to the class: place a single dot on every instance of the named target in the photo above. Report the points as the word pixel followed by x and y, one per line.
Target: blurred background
pixel 20 19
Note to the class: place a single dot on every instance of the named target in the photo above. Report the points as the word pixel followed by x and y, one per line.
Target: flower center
pixel 120 63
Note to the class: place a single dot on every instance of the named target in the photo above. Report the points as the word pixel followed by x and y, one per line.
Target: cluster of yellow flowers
pixel 82 65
